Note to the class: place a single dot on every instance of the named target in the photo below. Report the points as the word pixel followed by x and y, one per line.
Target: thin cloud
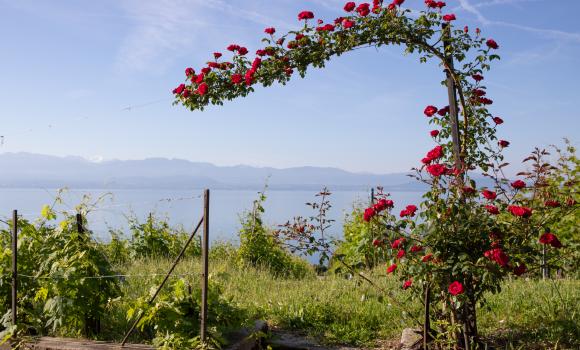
pixel 550 33
pixel 164 28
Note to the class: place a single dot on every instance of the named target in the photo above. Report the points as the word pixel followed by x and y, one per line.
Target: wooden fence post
pixel 14 265
pixel 204 261
pixel 452 96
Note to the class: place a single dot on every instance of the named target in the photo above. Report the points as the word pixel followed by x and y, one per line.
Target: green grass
pixel 527 314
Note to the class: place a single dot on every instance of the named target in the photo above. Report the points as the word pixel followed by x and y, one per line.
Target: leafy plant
pixel 259 247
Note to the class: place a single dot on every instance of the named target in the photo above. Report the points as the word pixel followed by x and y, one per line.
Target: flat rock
pixel 411 339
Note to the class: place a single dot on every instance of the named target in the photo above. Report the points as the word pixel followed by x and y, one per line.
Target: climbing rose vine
pixel 462 240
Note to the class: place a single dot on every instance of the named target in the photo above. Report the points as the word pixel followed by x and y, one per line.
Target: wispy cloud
pixel 163 28
pixel 467 6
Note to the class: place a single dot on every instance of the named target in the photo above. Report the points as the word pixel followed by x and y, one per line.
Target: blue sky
pixel 70 68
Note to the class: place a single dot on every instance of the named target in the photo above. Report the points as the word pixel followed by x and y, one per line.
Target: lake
pixel 185 207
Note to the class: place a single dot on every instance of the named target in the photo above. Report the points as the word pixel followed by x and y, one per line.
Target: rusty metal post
pixel 452 96
pixel 14 265
pixel 204 267
pixel 80 228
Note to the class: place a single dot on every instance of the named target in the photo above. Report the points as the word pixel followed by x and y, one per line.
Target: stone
pixel 411 339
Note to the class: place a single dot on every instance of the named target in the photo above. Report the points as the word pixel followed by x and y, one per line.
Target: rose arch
pixel 462 240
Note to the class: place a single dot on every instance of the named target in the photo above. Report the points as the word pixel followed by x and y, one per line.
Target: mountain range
pixel 27 170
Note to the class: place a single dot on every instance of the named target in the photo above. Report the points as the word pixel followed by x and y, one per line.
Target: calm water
pixel 185 207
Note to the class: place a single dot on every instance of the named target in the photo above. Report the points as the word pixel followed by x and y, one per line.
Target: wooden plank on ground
pixel 50 343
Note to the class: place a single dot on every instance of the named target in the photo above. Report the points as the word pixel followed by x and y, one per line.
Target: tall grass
pixel 339 310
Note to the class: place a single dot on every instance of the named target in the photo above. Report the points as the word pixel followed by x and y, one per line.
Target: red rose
pixel 443 111
pixel 363 9
pixel 401 254
pixel 551 239
pixel 479 92
pixel 523 212
pixel 377 242
pixel 434 154
pixel 368 214
pixel 477 77
pixel 261 52
pixel 242 51
pixel 249 77
pixel 497 120
pixel 199 78
pixel 383 204
pixel 498 256
pixel 202 89
pixel 503 143
pixel 391 268
pixel 278 42
pixel 408 211
pixel 491 44
pixel 189 71
pixel 347 24
pixel 518 184
pixel 430 110
pixel 489 194
pixel 237 78
pixel 570 202
pixel 485 101
pixel 437 169
pixel 520 269
pixel 456 288
pixel 407 284
pixel 492 209
pixel 440 4
pixel 427 257
pixel 325 28
pixel 398 2
pixel 552 203
pixel 468 190
pixel 477 31
pixel 186 93
pixel 431 3
pixel 178 90
pixel 217 55
pixel 256 63
pixel 434 133
pixel 397 243
pixel 213 65
pixel 233 47
pixel 305 15
pixel 205 70
pixel 466 29
pixel 450 17
pixel 416 248
pixel 270 30
pixel 349 6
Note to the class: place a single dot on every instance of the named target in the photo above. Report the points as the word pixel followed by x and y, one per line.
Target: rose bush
pixel 462 240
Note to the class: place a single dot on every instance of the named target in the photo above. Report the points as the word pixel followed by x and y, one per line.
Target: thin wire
pixel 103 276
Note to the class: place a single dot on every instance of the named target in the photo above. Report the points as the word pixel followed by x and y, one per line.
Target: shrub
pixel 259 247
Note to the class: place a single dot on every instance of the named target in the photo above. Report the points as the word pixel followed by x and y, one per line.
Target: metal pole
pixel 80 228
pixel 204 261
pixel 14 264
pixel 452 96
pixel 372 196
pixel 426 323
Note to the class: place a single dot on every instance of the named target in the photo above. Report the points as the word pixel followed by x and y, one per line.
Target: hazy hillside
pixel 35 170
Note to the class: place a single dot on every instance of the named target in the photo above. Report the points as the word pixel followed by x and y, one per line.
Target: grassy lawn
pixel 526 314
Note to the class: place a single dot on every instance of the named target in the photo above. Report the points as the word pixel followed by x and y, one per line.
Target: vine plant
pixel 461 241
